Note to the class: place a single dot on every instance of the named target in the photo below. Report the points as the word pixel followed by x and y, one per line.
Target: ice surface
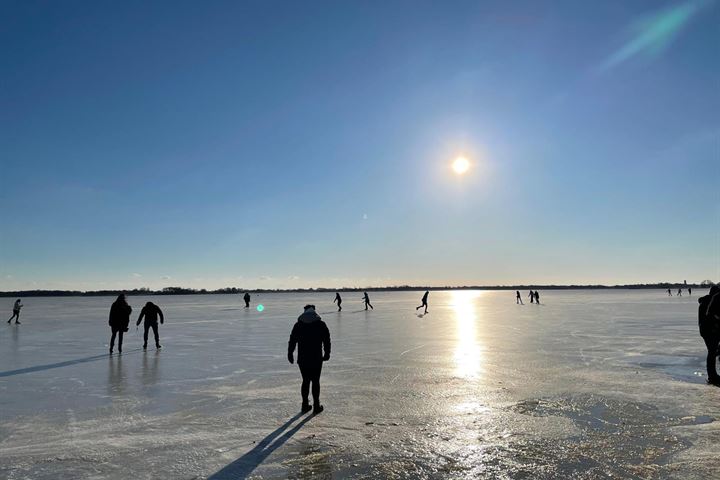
pixel 591 384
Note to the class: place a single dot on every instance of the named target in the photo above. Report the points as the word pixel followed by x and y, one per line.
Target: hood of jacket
pixel 309 316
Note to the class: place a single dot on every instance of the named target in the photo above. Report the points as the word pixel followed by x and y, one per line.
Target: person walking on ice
pixel 679 294
pixel 537 297
pixel 312 337
pixel 424 301
pixel 119 320
pixel 708 316
pixel 366 299
pixel 246 297
pixel 16 312
pixel 532 296
pixel 518 298
pixel 338 300
pixel 150 313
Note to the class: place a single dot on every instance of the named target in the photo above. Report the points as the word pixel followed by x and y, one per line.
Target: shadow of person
pixel 116 377
pixel 150 368
pixel 49 366
pixel 244 466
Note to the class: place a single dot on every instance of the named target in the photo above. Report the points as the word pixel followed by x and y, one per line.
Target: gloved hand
pixel 326 357
pixel 290 358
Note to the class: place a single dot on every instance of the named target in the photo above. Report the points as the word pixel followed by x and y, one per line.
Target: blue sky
pixel 294 144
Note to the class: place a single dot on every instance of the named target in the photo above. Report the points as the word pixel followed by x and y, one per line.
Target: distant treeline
pixel 402 288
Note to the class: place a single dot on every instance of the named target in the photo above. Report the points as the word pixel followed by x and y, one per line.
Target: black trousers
pixel 154 327
pixel 310 374
pixel 711 342
pixel 119 332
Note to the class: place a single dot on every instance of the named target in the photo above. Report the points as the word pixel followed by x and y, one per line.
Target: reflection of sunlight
pixel 468 352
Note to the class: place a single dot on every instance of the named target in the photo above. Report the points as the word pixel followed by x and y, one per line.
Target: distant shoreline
pixel 404 288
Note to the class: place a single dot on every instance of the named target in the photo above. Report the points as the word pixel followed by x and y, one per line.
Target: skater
pixel 689 291
pixel 16 312
pixel 669 293
pixel 532 296
pixel 312 337
pixel 366 299
pixel 679 294
pixel 708 313
pixel 338 300
pixel 246 297
pixel 518 298
pixel 537 297
pixel 150 312
pixel 424 301
pixel 119 321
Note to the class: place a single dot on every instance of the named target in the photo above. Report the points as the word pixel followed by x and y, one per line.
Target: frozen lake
pixel 591 384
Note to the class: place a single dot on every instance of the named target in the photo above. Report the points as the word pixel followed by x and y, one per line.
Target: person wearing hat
pixel 312 338
pixel 709 323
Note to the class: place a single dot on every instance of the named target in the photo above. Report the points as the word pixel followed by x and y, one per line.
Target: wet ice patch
pixel 635 438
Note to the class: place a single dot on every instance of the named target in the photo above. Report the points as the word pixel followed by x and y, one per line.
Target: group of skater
pixel 311 336
pixel 679 292
pixel 119 321
pixel 533 296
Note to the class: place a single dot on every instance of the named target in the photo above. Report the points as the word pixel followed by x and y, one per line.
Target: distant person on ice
pixel 689 292
pixel 150 313
pixel 537 297
pixel 366 299
pixel 518 298
pixel 119 321
pixel 709 323
pixel 246 297
pixel 669 293
pixel 16 312
pixel 424 301
pixel 338 300
pixel 312 338
pixel 679 294
pixel 532 296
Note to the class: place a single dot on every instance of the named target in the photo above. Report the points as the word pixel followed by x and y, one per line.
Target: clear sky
pixel 292 144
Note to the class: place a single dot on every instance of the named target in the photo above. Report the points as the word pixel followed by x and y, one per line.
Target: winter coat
pixel 312 336
pixel 119 315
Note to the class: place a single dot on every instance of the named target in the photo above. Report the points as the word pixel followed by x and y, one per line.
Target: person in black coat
pixel 312 338
pixel 246 297
pixel 708 316
pixel 424 301
pixel 119 320
pixel 150 312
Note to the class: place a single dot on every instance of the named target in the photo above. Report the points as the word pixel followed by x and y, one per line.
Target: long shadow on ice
pixel 243 466
pixel 39 368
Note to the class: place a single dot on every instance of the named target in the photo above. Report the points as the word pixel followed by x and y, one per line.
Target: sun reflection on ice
pixel 468 351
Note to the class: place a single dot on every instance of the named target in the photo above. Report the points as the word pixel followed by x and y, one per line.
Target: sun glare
pixel 460 165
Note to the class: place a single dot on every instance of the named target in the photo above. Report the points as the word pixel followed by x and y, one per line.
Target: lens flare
pixel 260 308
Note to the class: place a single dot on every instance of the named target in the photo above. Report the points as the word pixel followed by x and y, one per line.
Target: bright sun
pixel 460 165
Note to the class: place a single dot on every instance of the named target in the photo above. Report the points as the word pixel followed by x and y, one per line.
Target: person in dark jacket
pixel 150 313
pixel 119 321
pixel 246 297
pixel 312 338
pixel 424 301
pixel 338 300
pixel 366 299
pixel 532 296
pixel 708 321
pixel 16 311
pixel 537 297
pixel 518 298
